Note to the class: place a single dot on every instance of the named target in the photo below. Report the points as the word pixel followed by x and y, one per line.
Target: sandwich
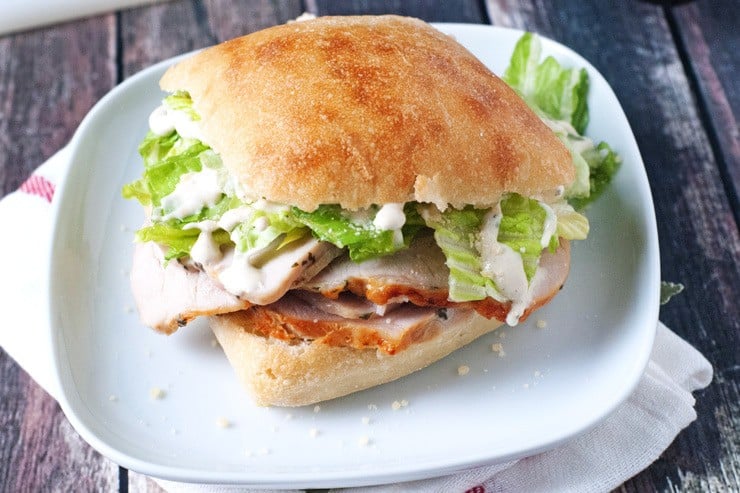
pixel 349 199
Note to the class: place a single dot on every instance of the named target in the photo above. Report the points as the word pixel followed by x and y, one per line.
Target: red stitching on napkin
pixel 477 489
pixel 39 186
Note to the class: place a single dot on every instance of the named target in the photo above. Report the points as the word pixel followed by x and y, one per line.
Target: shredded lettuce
pixel 272 227
pixel 561 93
pixel 356 232
pixel 457 233
pixel 521 229
pixel 560 96
pixel 181 101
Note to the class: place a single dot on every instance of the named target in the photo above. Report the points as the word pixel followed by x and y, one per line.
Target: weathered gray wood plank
pixel 709 33
pixel 631 44
pixel 428 10
pixel 49 79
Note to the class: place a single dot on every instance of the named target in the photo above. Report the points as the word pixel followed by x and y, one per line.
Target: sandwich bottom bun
pixel 282 374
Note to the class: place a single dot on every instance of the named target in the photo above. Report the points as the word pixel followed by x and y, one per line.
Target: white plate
pixel 552 384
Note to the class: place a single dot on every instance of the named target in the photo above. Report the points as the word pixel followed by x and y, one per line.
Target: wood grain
pixel 631 44
pixel 708 33
pixel 49 79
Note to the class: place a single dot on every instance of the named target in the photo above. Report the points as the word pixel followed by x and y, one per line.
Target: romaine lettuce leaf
pixel 181 101
pixel 356 232
pixel 603 164
pixel 522 227
pixel 457 232
pixel 560 97
pixel 264 226
pixel 561 93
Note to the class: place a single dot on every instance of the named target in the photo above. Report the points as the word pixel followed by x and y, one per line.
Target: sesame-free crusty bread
pixel 367 110
pixel 280 374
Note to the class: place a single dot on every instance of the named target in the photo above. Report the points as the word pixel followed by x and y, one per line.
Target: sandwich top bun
pixel 363 110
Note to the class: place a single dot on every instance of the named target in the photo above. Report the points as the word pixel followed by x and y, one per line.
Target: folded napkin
pixel 625 443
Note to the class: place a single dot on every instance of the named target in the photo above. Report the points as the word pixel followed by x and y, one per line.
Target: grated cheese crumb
pixel 372 407
pixel 498 348
pixel 316 409
pixel 396 405
pixel 463 370
pixel 112 398
pixel 541 324
pixel 222 422
pixel 364 441
pixel 156 393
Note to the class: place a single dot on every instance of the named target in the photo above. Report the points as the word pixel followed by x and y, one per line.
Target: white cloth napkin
pixel 624 444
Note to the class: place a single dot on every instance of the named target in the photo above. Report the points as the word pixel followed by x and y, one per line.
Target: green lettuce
pixel 521 228
pixel 457 233
pixel 559 96
pixel 181 101
pixel 356 232
pixel 561 93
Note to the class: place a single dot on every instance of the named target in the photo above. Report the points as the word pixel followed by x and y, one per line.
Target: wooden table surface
pixel 675 69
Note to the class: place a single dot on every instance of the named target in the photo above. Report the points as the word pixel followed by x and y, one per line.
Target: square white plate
pixel 552 384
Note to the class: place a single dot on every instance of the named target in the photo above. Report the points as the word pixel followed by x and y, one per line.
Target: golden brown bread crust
pixel 280 374
pixel 367 110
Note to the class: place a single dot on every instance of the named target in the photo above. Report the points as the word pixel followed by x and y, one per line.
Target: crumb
pixel 365 420
pixel 372 407
pixel 364 441
pixel 526 386
pixel 223 423
pixel 156 393
pixel 502 335
pixel 112 398
pixel 313 432
pixel 288 416
pixel 404 403
pixel 485 370
pixel 498 348
pixel 306 16
pixel 214 342
pixel 463 370
pixel 541 324
pixel 396 405
pixel 316 409
pixel 537 373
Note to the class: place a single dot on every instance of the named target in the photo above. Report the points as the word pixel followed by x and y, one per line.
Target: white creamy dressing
pixel 578 143
pixel 390 217
pixel 504 266
pixel 267 282
pixel 205 251
pixel 233 217
pixel 163 120
pixel 550 226
pixel 193 192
